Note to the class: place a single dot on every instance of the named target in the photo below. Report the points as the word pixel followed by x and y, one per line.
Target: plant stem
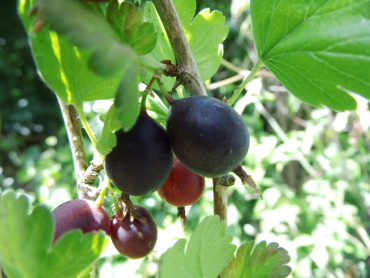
pixel 220 197
pixel 241 87
pixel 190 79
pixel 142 105
pixel 76 142
pixel 74 133
pixel 184 57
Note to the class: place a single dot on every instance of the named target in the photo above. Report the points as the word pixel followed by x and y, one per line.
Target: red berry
pixel 80 214
pixel 134 239
pixel 183 187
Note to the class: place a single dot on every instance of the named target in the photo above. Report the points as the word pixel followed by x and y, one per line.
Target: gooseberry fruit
pixel 141 161
pixel 132 238
pixel 80 214
pixel 183 187
pixel 207 135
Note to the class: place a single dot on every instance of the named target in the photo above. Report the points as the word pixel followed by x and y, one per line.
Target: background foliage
pixel 312 164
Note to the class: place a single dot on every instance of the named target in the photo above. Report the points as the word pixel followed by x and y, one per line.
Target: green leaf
pixel 124 111
pixel 127 21
pixel 205 34
pixel 107 139
pixel 64 67
pixel 101 107
pixel 74 252
pixel 127 98
pixel 207 253
pixel 263 262
pixel 25 243
pixel 162 49
pixel 319 50
pixel 88 29
pixel 156 108
pixel 86 274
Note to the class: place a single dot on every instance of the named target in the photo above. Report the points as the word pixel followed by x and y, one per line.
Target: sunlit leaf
pixel 128 23
pixel 265 261
pixel 205 34
pixel 64 67
pixel 88 29
pixel 319 50
pixel 156 109
pixel 207 253
pixel 26 242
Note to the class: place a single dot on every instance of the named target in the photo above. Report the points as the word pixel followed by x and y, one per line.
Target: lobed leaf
pixel 88 42
pixel 64 67
pixel 107 139
pixel 205 34
pixel 128 23
pixel 319 50
pixel 88 29
pixel 156 108
pixel 162 50
pixel 74 253
pixel 265 261
pixel 26 243
pixel 124 111
pixel 126 101
pixel 207 253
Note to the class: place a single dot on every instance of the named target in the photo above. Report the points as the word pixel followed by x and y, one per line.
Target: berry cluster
pixel 208 138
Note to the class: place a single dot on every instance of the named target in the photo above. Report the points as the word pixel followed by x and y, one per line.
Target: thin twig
pixel 184 57
pixel 231 66
pixel 225 82
pixel 220 197
pixel 74 133
pixel 76 142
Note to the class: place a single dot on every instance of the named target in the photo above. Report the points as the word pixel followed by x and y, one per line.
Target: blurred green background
pixel 312 164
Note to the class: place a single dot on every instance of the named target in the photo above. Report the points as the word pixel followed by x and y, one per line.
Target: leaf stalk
pixel 86 125
pixel 241 87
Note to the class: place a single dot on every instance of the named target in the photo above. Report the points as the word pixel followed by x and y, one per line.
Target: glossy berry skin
pixel 80 214
pixel 134 239
pixel 207 135
pixel 142 159
pixel 183 187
